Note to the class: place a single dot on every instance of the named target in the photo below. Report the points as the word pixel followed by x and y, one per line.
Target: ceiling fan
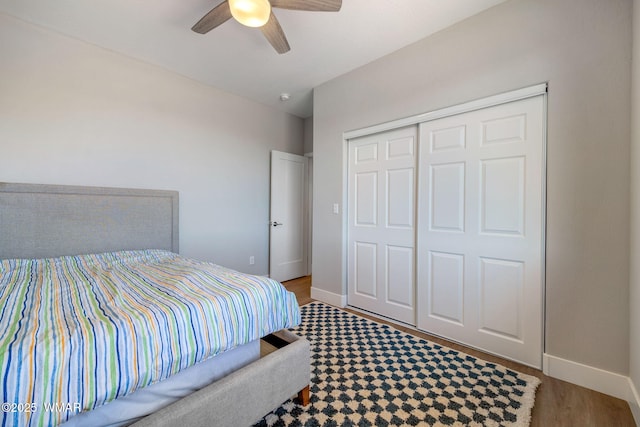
pixel 258 13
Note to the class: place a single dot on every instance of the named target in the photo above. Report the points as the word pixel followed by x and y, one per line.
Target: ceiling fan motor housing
pixel 258 13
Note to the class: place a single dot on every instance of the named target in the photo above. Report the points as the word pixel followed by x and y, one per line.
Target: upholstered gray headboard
pixel 41 221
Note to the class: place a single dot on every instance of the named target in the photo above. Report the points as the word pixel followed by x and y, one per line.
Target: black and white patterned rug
pixel 370 374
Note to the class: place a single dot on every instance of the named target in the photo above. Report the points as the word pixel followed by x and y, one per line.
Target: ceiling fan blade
pixel 216 16
pixel 274 34
pixel 313 5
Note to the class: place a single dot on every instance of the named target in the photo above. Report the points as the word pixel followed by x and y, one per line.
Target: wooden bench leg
pixel 303 396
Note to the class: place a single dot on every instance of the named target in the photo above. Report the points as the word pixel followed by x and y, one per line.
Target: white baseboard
pixel 336 300
pixel 606 382
pixel 634 402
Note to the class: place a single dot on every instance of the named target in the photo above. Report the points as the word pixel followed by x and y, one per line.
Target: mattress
pixel 128 409
pixel 78 332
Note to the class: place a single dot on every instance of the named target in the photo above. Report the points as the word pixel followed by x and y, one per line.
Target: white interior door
pixel 288 224
pixel 480 229
pixel 381 213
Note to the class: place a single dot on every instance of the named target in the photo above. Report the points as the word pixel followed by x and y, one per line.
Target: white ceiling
pixel 238 59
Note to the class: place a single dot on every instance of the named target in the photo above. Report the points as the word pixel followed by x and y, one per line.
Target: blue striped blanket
pixel 77 332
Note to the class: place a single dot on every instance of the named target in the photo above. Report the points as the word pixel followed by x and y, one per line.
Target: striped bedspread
pixel 77 332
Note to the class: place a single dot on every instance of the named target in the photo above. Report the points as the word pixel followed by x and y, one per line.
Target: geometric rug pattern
pixel 366 373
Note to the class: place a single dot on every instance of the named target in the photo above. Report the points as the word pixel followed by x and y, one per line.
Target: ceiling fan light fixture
pixel 252 13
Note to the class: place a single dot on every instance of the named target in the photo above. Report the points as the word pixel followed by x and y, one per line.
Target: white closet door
pixel 381 212
pixel 480 229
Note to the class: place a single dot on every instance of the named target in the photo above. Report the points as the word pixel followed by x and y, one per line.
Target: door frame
pixel 477 104
pixel 309 207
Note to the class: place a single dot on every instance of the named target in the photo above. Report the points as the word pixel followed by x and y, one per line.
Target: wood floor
pixel 558 403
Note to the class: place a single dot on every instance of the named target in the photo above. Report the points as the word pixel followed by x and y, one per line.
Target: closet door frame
pixel 478 104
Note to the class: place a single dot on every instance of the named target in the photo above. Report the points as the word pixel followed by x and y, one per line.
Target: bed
pixel 168 339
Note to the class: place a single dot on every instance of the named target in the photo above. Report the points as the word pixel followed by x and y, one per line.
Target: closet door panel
pixel 446 197
pixel 381 230
pixel 446 287
pixel 480 229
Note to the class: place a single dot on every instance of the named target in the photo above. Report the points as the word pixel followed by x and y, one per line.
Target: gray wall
pixel 72 113
pixel 308 135
pixel 635 211
pixel 582 48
